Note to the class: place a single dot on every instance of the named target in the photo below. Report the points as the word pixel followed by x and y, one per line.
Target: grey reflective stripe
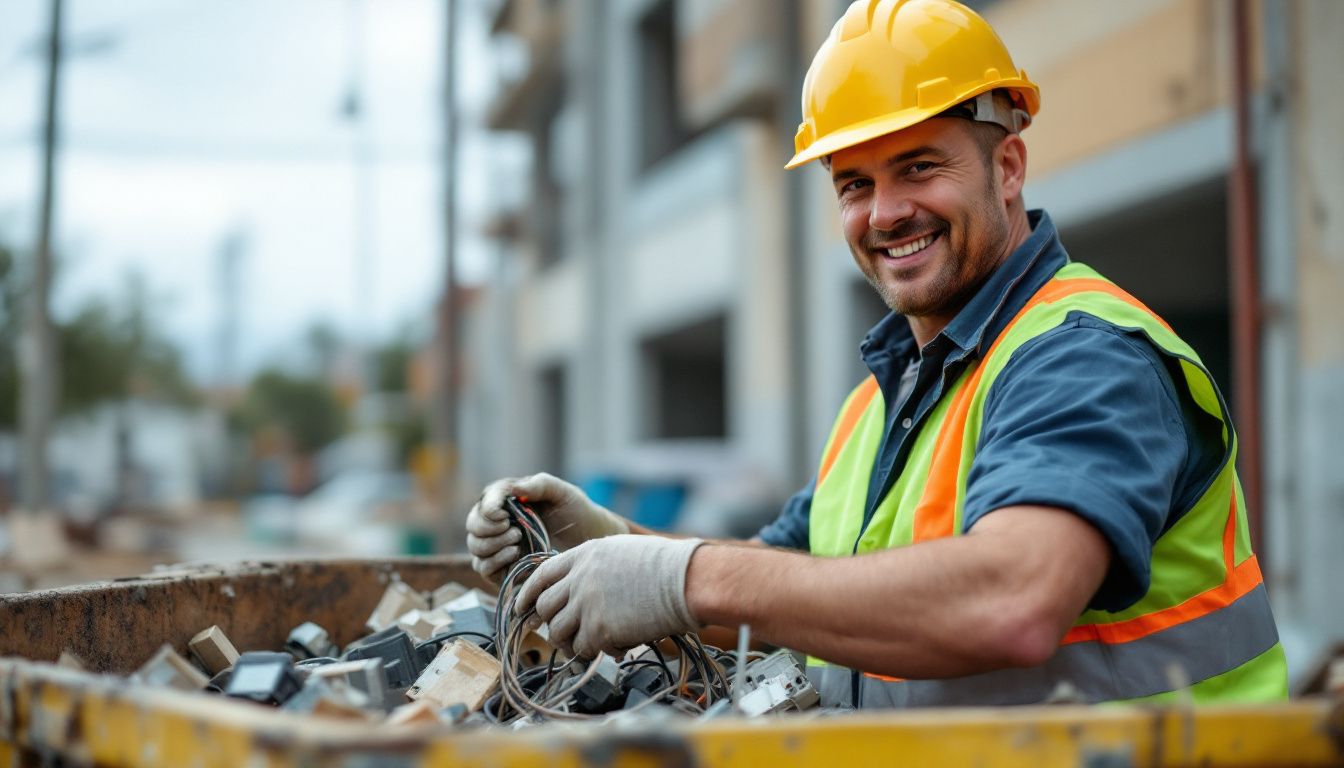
pixel 1204 647
pixel 834 684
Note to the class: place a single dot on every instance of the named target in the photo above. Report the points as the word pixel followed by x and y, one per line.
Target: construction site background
pixel 262 350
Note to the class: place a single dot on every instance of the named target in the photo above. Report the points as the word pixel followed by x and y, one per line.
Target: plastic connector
pixel 263 677
pixel 309 641
pixel 776 684
pixel 602 692
pixel 393 647
pixel 642 684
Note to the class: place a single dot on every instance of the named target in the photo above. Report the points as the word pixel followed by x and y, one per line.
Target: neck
pixel 926 327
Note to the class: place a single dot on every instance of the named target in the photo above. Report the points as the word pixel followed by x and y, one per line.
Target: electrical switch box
pixel 462 673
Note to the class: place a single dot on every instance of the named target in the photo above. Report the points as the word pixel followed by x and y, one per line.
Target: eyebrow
pixel 910 154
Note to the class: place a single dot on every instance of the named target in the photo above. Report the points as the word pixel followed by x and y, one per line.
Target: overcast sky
pixel 185 122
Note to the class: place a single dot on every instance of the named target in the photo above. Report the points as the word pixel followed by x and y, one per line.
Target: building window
pixel 685 382
pixel 662 130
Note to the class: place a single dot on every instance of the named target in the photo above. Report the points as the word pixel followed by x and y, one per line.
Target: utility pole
pixel 444 426
pixel 37 359
pixel 354 109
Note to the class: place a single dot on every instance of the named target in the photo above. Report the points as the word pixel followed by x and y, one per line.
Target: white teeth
pixel 909 248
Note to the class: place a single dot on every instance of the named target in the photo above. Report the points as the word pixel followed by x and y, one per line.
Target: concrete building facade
pixel 662 281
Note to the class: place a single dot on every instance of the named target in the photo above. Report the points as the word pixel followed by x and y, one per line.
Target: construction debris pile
pixel 461 656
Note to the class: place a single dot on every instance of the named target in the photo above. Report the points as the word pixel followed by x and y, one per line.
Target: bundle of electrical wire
pixel 691 682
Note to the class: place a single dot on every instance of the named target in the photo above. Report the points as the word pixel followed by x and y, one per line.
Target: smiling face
pixel 929 212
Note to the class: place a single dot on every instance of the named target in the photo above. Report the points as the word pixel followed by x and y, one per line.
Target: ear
pixel 1010 165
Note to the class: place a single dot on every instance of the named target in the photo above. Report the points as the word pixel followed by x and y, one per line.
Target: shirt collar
pixel 994 304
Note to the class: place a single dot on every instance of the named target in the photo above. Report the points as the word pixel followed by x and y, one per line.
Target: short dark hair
pixel 987 137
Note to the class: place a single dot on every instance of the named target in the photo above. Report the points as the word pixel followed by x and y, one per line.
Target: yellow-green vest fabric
pixel 1205 621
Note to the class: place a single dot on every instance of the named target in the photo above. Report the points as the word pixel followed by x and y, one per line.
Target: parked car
pixel 360 513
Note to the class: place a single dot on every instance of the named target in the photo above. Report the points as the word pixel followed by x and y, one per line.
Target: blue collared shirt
pixel 1085 417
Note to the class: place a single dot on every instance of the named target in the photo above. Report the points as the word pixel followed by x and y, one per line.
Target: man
pixel 1036 486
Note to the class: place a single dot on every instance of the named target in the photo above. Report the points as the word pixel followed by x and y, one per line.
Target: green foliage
pixel 109 351
pixel 394 362
pixel 306 409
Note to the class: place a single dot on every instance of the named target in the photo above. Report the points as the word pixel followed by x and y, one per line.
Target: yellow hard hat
pixel 889 64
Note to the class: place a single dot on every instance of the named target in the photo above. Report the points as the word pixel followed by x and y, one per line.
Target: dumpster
pixel 51 715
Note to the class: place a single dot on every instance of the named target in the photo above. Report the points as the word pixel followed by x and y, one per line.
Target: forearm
pixel 938 609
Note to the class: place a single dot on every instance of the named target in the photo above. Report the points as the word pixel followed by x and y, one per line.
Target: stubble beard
pixel 955 277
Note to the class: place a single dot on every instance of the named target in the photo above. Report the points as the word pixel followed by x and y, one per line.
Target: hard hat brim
pixel 899 121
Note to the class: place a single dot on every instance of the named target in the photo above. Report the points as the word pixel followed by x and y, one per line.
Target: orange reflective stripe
pixel 884 678
pixel 857 405
pixel 937 506
pixel 1240 580
pixel 936 511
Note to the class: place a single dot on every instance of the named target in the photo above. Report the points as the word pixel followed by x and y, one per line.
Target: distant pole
pixel 364 180
pixel 37 359
pixel 445 429
pixel 1248 309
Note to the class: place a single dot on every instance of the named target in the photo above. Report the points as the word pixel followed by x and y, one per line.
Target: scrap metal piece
pixel 71 661
pixel 167 668
pixel 474 598
pixel 397 599
pixel 309 641
pixel 422 625
pixel 415 713
pixel 446 593
pixel 332 698
pixel 364 675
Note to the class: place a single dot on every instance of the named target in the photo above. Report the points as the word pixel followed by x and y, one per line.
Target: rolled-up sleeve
pixel 1085 418
pixel 790 529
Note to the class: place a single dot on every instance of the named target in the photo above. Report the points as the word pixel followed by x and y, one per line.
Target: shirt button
pixel 905 423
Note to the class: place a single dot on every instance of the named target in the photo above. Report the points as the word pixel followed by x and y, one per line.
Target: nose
pixel 890 207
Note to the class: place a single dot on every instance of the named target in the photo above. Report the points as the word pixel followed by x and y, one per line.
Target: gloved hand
pixel 612 594
pixel 570 517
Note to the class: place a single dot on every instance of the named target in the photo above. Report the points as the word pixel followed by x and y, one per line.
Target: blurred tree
pixel 112 351
pixel 394 364
pixel 109 351
pixel 305 409
pixel 408 425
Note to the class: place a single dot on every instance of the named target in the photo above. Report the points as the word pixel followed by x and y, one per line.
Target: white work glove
pixel 612 594
pixel 570 517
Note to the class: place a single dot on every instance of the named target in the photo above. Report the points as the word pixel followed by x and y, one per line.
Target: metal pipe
pixel 1247 311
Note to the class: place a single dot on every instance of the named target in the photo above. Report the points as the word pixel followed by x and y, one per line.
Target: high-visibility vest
pixel 1205 620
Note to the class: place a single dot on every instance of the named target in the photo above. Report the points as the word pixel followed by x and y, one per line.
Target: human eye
pixel 919 167
pixel 852 187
